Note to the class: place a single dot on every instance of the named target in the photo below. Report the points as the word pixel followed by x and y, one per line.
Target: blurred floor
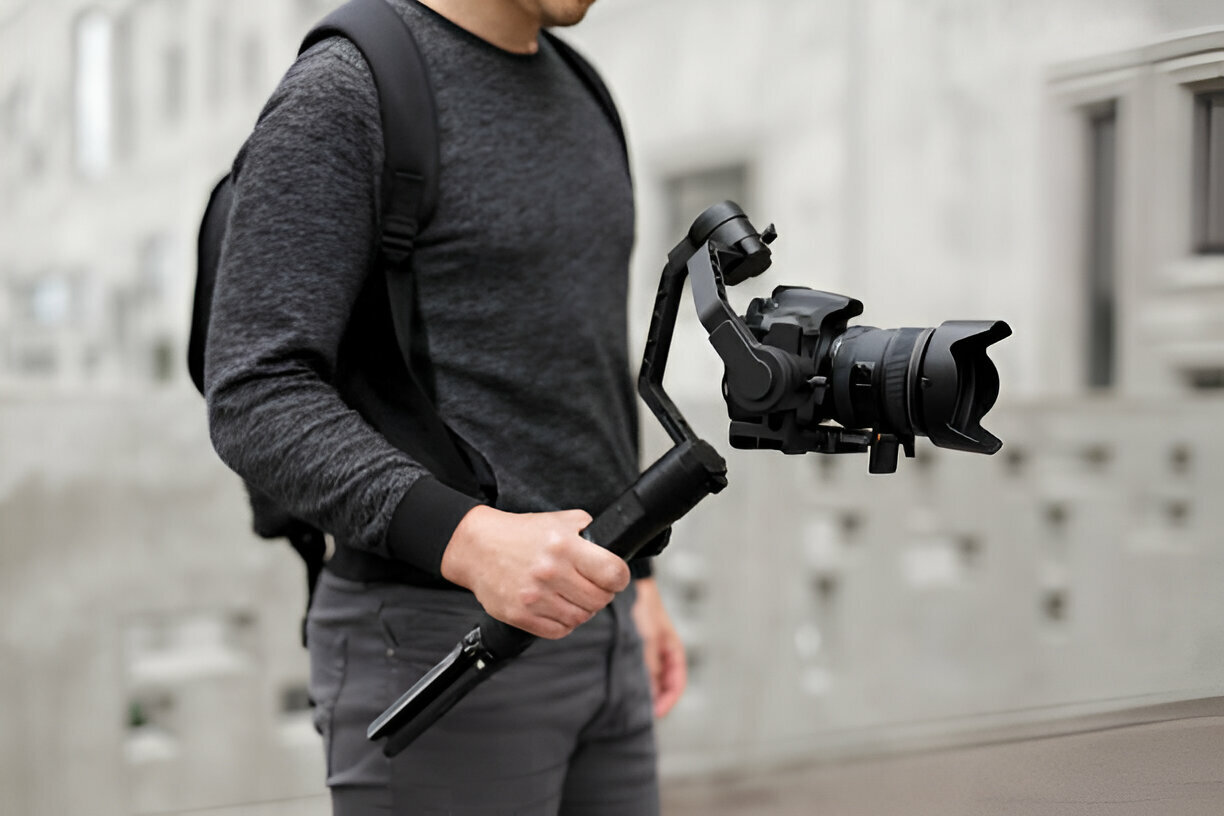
pixel 1167 761
pixel 1163 760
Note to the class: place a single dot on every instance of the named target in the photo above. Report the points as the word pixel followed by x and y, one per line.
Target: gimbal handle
pixel 666 491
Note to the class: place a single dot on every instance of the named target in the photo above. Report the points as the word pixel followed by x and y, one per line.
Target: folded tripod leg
pixel 667 490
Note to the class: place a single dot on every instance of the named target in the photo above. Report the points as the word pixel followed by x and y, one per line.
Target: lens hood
pixel 958 383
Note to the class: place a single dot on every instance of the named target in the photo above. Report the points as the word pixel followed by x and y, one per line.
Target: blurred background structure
pixel 1057 163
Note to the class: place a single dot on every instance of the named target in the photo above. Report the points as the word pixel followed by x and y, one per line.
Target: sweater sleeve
pixel 298 250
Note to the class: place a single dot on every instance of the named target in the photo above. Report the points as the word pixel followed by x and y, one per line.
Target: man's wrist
pixel 647 588
pixel 462 551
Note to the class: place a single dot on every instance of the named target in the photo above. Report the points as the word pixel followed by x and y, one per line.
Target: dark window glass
pixel 1209 171
pixel 163 360
pixel 1205 379
pixel 1101 299
pixel 295 698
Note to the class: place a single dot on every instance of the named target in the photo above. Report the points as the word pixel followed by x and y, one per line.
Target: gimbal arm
pixel 721 246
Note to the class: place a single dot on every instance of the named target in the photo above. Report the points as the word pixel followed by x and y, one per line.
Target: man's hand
pixel 533 570
pixel 663 650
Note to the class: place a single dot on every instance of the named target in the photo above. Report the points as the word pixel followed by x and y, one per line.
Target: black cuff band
pixel 424 522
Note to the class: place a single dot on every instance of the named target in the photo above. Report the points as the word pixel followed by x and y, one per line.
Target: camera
pixel 799 380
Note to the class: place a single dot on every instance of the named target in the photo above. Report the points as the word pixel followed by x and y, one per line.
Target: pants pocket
pixel 328 664
pixel 422 635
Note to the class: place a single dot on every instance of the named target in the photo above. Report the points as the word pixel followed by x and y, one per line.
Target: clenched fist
pixel 533 570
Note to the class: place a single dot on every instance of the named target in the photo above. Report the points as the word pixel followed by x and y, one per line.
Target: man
pixel 520 281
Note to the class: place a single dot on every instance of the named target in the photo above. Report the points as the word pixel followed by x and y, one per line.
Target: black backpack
pixel 409 192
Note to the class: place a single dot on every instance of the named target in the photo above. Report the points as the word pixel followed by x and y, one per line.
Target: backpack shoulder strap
pixel 410 169
pixel 409 195
pixel 409 117
pixel 591 79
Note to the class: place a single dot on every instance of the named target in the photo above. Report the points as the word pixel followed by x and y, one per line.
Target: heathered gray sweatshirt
pixel 521 279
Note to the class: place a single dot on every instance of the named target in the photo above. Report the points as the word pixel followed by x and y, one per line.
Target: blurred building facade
pixel 1059 165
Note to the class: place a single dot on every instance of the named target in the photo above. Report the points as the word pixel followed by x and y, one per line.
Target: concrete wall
pixel 925 158
pixel 129 580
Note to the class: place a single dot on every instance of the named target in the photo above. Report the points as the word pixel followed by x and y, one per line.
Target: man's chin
pixel 563 13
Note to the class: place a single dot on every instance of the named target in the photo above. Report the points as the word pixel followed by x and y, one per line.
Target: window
pixel 218 64
pixel 155 270
pixel 1101 295
pixel 37 360
pixel 50 302
pixel 687 195
pixel 164 651
pixel 45 302
pixel 174 77
pixel 295 699
pixel 151 735
pixel 13 112
pixel 1209 171
pixel 253 65
pixel 1205 379
pixel 93 92
pixel 125 86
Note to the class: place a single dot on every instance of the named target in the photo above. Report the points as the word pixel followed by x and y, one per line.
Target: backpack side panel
pixel 208 258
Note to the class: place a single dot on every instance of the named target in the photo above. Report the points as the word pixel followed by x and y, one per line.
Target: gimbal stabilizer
pixel 791 364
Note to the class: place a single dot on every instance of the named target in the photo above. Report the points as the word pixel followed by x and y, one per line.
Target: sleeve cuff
pixel 424 521
pixel 642 568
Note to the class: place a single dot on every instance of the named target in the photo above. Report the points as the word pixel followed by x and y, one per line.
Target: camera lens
pixel 937 383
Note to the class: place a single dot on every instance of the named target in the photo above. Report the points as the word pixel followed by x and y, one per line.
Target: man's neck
pixel 507 24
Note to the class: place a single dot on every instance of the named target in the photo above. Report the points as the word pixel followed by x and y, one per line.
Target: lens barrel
pixel 937 383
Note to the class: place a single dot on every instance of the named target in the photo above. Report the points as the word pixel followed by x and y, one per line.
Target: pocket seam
pixel 327 708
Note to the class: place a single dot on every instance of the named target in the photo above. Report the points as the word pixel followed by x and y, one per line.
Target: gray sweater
pixel 521 279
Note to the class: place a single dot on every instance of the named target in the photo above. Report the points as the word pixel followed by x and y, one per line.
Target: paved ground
pixel 1161 761
pixel 1164 762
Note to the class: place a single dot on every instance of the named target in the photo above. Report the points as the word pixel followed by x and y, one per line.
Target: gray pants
pixel 564 729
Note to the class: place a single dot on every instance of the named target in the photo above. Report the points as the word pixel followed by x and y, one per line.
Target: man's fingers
pixel 654 670
pixel 607 571
pixel 543 628
pixel 552 616
pixel 673 676
pixel 584 573
pixel 533 570
pixel 599 566
pixel 568 614
pixel 554 626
